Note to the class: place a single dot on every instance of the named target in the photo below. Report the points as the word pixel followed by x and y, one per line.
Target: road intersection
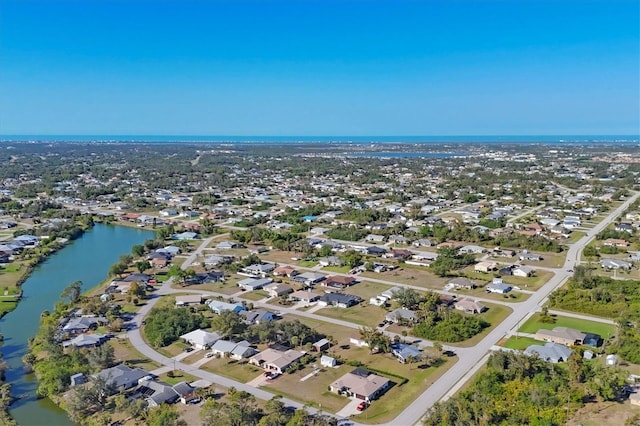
pixel 469 359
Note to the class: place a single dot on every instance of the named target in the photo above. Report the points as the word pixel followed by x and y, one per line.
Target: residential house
pixel 462 283
pixel 330 261
pixel 497 286
pixel 285 271
pixel 201 339
pixel 339 300
pixel 375 251
pixel 552 352
pixel 227 245
pixel 401 315
pixel 305 296
pixel 400 254
pixel 156 393
pixel 218 306
pixel 523 271
pixel 258 316
pixel 568 337
pixel 472 249
pixel 275 360
pixel 86 341
pixel 83 324
pixel 121 377
pixel 259 269
pixel 525 255
pixel 624 227
pixel 233 350
pixel 339 281
pixel 405 353
pixel 615 242
pixel 278 289
pixel 361 384
pixel 250 284
pixel 485 266
pixel 309 278
pixel 614 264
pixel 188 235
pixel 469 306
pixel 189 299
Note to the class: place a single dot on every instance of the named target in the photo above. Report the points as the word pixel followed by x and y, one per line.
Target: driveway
pixel 350 408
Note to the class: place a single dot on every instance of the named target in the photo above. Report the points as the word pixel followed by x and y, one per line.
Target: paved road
pixel 470 359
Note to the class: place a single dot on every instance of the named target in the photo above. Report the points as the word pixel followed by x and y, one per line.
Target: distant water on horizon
pixel 497 139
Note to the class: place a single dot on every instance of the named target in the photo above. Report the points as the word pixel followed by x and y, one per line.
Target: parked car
pixel 362 406
pixel 208 355
pixel 188 349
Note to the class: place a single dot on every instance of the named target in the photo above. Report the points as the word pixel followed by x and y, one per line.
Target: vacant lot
pixel 314 390
pixel 411 275
pixel 240 371
pixel 367 290
pixel 549 260
pixel 362 314
pixel 534 324
pixel 339 333
pixel 124 351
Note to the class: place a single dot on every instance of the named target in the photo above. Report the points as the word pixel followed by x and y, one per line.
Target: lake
pixel 87 259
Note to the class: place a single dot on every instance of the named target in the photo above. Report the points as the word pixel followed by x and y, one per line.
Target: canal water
pixel 87 259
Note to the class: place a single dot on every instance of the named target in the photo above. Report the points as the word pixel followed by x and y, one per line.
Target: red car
pixel 362 406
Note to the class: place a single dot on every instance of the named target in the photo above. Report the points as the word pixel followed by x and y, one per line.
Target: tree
pixel 407 297
pixel 118 268
pixel 137 290
pixel 228 323
pixel 143 265
pixel 138 250
pixel 72 292
pixel 164 415
pixel 101 357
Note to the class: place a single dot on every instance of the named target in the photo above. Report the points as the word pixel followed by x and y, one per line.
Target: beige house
pixel 360 384
pixel 470 306
pixel 275 360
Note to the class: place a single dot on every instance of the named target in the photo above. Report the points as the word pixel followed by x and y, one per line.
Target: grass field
pixel 124 351
pixel 494 316
pixel 363 314
pixel 367 290
pixel 177 377
pixel 254 295
pixel 314 390
pixel 534 324
pixel 232 369
pixel 339 333
pixel 520 343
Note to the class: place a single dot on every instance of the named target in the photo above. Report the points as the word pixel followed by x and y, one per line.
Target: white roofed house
pixel 201 339
pixel 615 264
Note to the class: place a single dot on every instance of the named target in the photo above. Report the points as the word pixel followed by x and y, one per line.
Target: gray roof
pixel 121 375
pixel 552 352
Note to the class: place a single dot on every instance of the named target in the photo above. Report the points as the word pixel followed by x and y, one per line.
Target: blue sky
pixel 448 67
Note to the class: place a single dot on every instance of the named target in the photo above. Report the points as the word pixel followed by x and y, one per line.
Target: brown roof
pixel 340 279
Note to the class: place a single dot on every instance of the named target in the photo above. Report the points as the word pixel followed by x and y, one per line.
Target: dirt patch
pixel 606 413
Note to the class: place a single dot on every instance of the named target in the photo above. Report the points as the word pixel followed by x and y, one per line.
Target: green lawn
pixel 232 369
pixel 367 290
pixel 313 390
pixel 254 295
pixel 340 269
pixel 520 343
pixel 339 333
pixel 575 236
pixel 362 314
pixel 178 376
pixel 124 351
pixel 534 324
